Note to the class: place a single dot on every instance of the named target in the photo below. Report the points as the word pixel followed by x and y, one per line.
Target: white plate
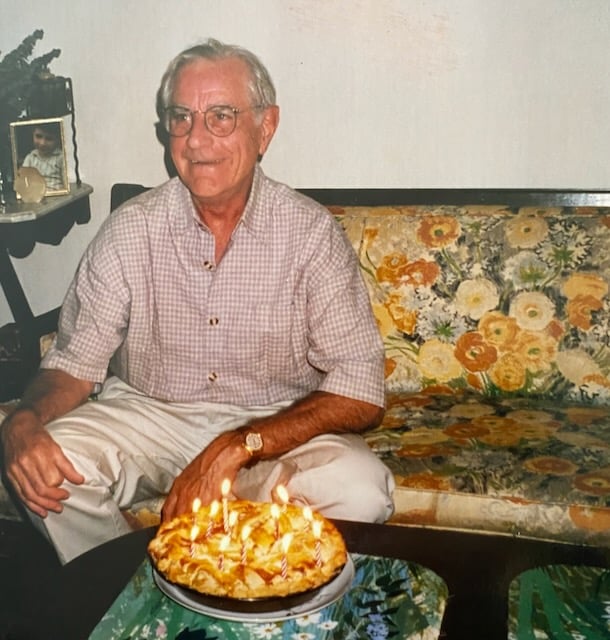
pixel 319 599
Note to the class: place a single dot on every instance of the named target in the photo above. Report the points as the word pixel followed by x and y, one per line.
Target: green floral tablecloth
pixel 388 598
pixel 560 602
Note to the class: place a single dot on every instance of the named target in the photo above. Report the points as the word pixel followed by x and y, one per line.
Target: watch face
pixel 254 442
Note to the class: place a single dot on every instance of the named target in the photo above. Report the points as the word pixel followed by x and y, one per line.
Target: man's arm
pixel 35 465
pixel 319 412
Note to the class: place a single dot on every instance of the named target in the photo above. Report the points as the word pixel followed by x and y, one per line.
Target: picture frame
pixel 41 144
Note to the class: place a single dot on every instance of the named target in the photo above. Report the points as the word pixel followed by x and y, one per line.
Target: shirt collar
pixel 253 219
pixel 54 153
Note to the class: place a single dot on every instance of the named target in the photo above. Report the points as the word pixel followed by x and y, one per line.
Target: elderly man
pixel 223 324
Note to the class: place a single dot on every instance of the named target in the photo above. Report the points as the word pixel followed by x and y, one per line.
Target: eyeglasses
pixel 219 120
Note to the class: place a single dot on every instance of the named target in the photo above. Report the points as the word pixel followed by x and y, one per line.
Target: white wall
pixel 374 93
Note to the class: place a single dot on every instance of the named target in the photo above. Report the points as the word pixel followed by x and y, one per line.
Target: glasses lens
pixel 178 121
pixel 221 121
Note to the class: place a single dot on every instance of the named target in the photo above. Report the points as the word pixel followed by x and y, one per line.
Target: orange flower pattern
pixel 580 309
pixel 438 231
pixel 549 465
pixel 596 483
pixel 474 352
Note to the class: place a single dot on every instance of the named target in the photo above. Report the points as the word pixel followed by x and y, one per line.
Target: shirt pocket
pixel 267 350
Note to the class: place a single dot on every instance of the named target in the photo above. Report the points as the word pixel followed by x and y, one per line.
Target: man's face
pixel 44 141
pixel 218 171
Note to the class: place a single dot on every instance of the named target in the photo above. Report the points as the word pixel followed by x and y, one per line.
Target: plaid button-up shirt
pixel 285 311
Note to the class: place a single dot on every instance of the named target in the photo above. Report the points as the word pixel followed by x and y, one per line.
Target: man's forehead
pixel 226 77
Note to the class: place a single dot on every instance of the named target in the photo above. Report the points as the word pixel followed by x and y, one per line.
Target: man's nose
pixel 199 130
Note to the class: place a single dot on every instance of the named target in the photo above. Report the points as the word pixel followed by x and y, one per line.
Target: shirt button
pixel 213 321
pixel 212 376
pixel 208 265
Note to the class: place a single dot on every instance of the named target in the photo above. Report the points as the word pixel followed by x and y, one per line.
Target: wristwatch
pixel 253 443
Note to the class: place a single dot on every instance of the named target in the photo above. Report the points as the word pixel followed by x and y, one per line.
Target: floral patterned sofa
pixel 494 308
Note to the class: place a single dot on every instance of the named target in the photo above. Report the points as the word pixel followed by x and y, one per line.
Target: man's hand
pixel 319 412
pixel 35 464
pixel 203 477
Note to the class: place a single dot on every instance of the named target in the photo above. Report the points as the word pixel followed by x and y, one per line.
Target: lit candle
pixel 196 505
pixel 286 540
pixel 224 545
pixel 193 536
pixel 308 515
pixel 232 521
pixel 213 511
pixel 275 514
pixel 317 532
pixel 245 533
pixel 282 494
pixel 224 489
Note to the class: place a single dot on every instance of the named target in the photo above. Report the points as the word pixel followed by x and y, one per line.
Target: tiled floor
pixel 28 566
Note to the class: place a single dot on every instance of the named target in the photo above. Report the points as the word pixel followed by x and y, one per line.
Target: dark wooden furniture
pixel 369 197
pixel 21 227
pixel 508 197
pixel 477 569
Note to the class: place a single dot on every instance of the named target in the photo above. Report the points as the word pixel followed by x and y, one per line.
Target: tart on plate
pixel 248 550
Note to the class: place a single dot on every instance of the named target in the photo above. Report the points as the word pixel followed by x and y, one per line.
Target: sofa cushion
pixel 509 465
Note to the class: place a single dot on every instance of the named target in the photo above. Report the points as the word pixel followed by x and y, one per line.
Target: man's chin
pixel 200 186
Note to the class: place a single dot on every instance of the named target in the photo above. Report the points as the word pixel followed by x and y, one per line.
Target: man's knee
pixel 367 496
pixel 358 485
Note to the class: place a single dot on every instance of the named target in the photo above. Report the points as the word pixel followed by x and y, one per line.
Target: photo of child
pixel 47 155
pixel 39 144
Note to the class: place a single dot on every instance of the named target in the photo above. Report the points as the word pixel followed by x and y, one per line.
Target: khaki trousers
pixel 130 448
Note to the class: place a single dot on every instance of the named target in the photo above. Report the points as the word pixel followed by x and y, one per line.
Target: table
pixel 22 225
pixel 477 568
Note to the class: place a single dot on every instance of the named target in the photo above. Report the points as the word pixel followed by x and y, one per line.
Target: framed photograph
pixel 40 144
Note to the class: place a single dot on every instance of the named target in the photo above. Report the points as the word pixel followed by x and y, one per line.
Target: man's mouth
pixel 205 162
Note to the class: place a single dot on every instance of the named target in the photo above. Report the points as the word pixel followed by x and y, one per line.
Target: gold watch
pixel 253 443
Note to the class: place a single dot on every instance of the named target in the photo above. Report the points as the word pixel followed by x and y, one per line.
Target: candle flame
pixel 224 543
pixel 225 487
pixel 317 528
pixel 275 510
pixel 245 532
pixel 307 513
pixel 282 493
pixel 196 505
pixel 214 506
pixel 233 518
pixel 194 532
pixel 286 540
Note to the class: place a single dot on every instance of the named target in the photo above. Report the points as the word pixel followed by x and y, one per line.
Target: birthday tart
pixel 248 550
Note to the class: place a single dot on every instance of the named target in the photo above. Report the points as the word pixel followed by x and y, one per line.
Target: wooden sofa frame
pixel 369 197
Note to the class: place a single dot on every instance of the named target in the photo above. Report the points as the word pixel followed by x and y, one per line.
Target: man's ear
pixel 271 120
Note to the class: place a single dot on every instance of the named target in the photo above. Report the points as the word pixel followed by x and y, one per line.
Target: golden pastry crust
pixel 249 562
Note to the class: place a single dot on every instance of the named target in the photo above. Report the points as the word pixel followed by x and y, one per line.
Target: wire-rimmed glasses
pixel 220 120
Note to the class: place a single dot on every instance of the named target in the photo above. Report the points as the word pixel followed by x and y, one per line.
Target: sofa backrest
pixel 493 299
pixel 514 198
